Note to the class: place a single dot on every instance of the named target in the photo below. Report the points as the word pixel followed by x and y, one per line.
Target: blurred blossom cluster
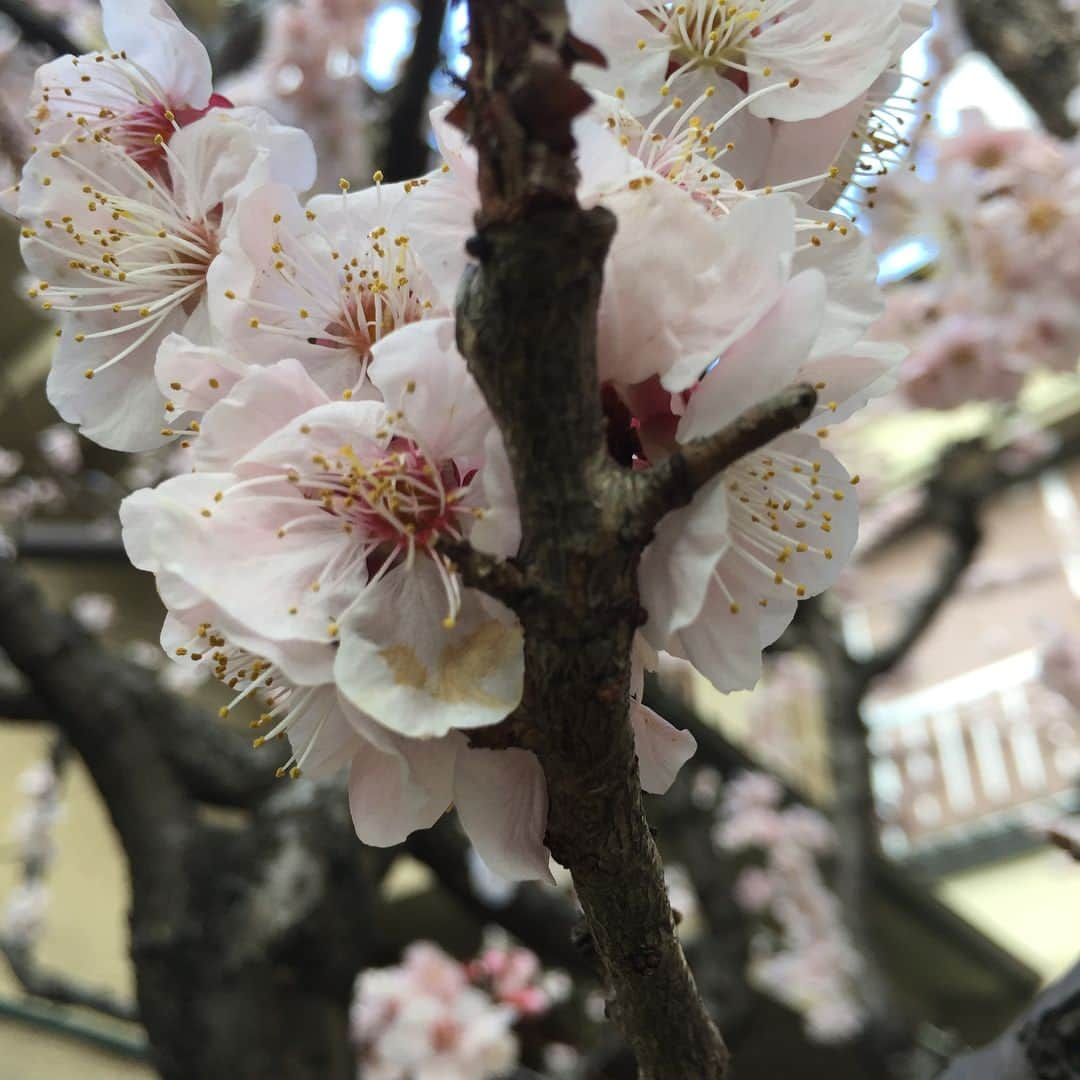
pixel 1000 213
pixel 801 953
pixel 308 73
pixel 791 689
pixel 32 831
pixel 434 1018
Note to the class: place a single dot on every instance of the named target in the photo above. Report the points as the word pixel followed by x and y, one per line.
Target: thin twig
pixel 673 482
pixel 406 152
pixel 61 990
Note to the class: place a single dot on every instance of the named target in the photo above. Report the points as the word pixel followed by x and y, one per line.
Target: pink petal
pixel 501 798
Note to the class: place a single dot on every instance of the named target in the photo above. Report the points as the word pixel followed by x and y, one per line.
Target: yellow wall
pixel 1030 904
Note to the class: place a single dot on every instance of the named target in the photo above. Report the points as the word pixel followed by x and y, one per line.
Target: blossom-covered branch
pixel 640 264
pixel 526 324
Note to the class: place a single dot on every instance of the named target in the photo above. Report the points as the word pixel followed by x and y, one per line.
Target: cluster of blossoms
pixel 302 352
pixel 32 830
pixel 1001 216
pixel 433 1018
pixel 802 954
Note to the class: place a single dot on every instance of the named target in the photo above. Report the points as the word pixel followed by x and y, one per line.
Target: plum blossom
pixel 94 611
pixel 285 569
pixel 60 448
pixel 321 283
pixel 24 914
pixel 1001 220
pixel 513 977
pixel 337 450
pixel 153 79
pixel 824 51
pixel 32 830
pixel 10 463
pixel 802 954
pixel 423 1020
pixel 123 256
pixel 960 359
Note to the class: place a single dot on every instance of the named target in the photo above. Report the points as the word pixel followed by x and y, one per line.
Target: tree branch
pixel 1065 839
pixel 99 704
pixel 526 323
pixel 59 990
pixel 963 542
pixel 1036 46
pixel 20 703
pixel 673 482
pixel 406 152
pixel 36 28
pixel 965 477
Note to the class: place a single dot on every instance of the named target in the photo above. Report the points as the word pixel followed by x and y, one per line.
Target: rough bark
pixel 246 939
pixel 1036 45
pixel 527 327
pixel 526 324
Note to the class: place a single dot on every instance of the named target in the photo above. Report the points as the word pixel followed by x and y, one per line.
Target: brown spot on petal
pixel 464 665
pixel 405 666
pixel 475 657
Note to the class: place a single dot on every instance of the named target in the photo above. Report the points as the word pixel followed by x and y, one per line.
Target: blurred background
pixel 874 853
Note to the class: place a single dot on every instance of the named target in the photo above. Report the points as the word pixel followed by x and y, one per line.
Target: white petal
pixel 667 307
pixel 259 406
pixel 662 750
pixel 865 371
pixel 615 27
pixel 155 39
pixel 501 798
pixel 402 666
pixel 760 363
pixel 845 256
pixel 321 735
pixel 498 532
pixel 394 792
pixel 213 158
pixel 807 148
pixel 835 48
pixel 120 407
pixel 195 377
pixel 677 564
pixel 754 246
pixel 419 370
